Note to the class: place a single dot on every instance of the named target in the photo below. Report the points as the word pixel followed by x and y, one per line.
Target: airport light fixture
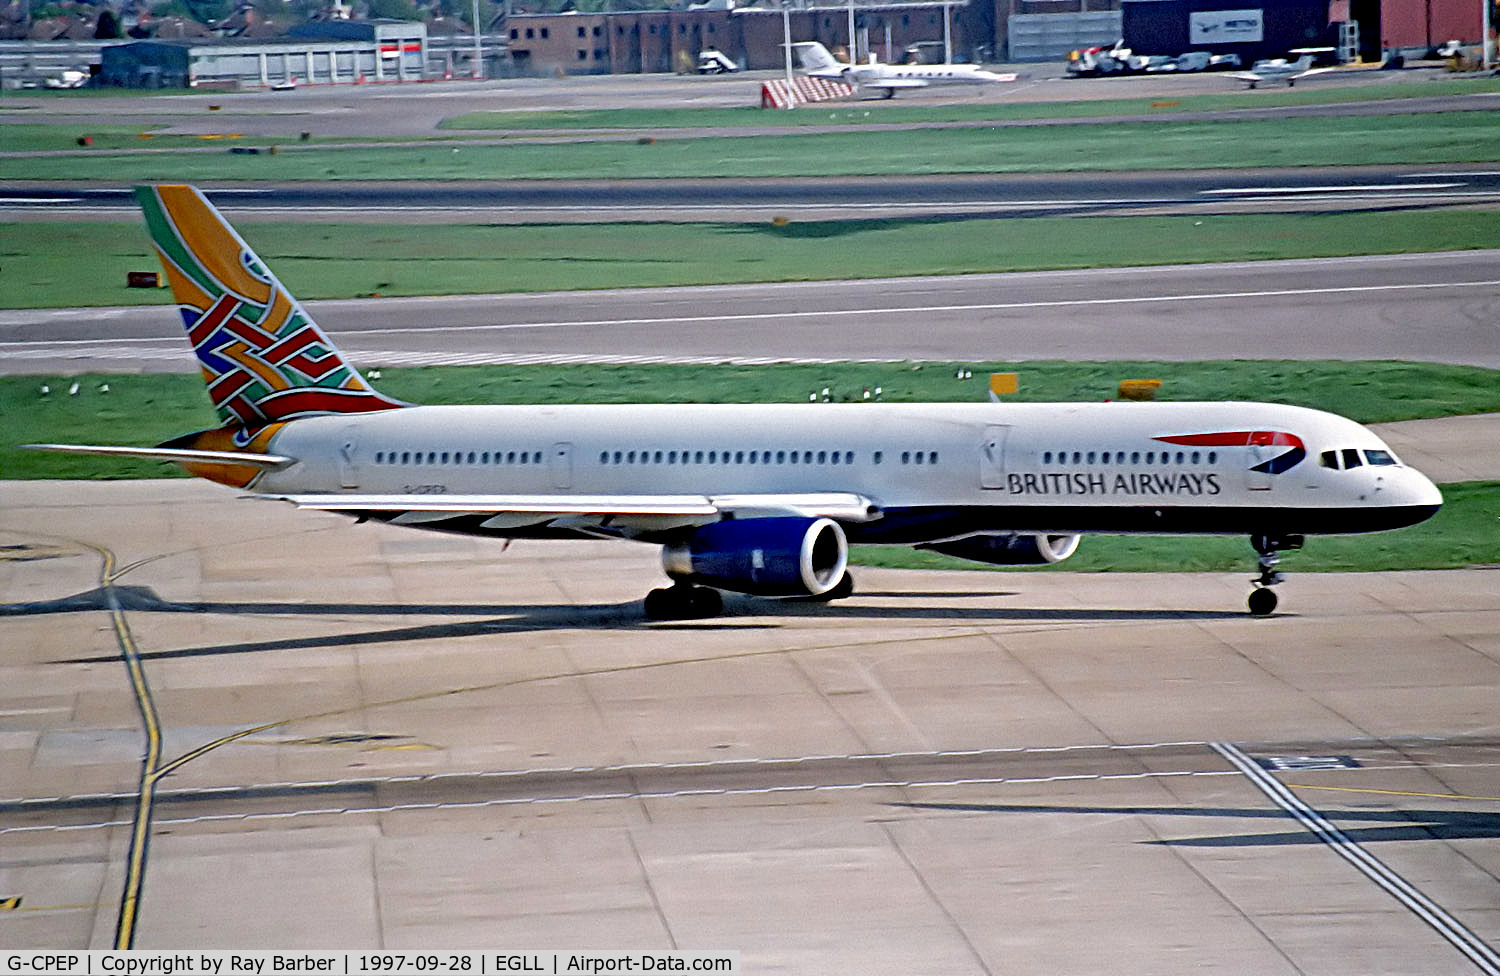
pixel 478 50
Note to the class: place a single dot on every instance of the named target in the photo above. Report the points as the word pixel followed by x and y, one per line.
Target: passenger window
pixel 1179 457
pixel 617 457
pixel 780 457
pixel 822 457
pixel 603 457
pixel 905 457
pixel 1077 457
pixel 739 457
pixel 932 457
pixel 1091 457
pixel 1329 459
pixel 484 457
pixel 1195 457
pixel 1150 457
pixel 405 457
pixel 1351 458
pixel 878 456
pixel 918 458
pixel 1213 457
pixel 1046 457
pixel 697 457
pixel 1135 457
pixel 471 457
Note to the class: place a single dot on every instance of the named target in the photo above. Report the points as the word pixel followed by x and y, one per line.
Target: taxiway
pixel 372 737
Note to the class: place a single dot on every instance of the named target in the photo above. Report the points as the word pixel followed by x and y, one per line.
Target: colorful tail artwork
pixel 263 357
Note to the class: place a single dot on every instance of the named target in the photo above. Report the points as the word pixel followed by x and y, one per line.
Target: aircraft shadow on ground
pixel 1390 825
pixel 523 618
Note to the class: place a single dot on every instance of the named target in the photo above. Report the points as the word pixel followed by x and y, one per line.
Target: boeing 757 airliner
pixel 756 499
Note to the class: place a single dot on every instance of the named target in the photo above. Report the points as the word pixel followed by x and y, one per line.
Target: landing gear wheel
pixel 1269 549
pixel 682 601
pixel 1262 602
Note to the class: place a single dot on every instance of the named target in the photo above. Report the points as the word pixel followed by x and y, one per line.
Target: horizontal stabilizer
pixel 175 455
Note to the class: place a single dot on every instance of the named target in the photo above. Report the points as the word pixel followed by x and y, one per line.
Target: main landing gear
pixel 683 601
pixel 1269 547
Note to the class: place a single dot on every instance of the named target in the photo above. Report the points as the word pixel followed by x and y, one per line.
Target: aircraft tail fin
pixel 814 57
pixel 263 357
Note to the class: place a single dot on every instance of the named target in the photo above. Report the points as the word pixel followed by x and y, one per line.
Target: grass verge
pixel 894 112
pixel 1459 137
pixel 146 409
pixel 67 264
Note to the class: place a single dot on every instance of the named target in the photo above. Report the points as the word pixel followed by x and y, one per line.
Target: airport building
pixel 1365 30
pixel 322 53
pixel 751 37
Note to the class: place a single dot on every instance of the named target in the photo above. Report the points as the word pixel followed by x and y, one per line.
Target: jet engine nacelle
pixel 1010 549
pixel 762 556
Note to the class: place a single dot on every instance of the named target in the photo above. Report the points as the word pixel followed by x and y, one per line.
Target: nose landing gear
pixel 1269 548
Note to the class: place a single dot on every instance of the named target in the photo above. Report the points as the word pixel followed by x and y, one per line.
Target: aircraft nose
pixel 1411 488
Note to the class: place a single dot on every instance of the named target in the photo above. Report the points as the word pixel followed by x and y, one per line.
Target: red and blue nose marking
pixel 1284 461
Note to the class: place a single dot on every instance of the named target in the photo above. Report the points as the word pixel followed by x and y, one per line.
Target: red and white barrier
pixel 777 94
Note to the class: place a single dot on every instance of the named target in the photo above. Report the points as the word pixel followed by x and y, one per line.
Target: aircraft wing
pixel 512 511
pixel 894 83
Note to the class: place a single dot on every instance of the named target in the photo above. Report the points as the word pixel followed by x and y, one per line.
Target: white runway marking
pixel 1372 188
pixel 19 347
pixel 1371 867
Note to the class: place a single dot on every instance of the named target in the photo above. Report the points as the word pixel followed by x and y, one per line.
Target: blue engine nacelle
pixel 1009 549
pixel 762 556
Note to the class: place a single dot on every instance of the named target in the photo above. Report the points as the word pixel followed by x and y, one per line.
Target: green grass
pixel 1345 141
pixel 66 264
pixel 1463 533
pixel 894 111
pixel 147 409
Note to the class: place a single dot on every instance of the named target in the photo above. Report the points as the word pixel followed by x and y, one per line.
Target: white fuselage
pixel 934 470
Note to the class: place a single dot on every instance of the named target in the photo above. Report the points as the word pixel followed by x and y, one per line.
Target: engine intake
pixel 1010 549
pixel 762 556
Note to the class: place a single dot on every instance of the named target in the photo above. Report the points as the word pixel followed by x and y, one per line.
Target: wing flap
pixel 844 506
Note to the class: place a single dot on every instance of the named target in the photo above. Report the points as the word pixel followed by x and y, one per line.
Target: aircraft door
pixel 1260 454
pixel 992 457
pixel 348 458
pixel 561 462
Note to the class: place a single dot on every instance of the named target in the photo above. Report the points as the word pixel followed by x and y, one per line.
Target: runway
pixel 1426 307
pixel 442 744
pixel 1310 189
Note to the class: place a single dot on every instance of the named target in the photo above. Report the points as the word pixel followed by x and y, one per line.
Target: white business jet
pixel 817 62
pixel 762 499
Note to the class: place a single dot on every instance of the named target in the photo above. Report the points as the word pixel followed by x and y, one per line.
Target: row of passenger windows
pixel 1351 458
pixel 1134 457
pixel 458 457
pixel 650 457
pixel 756 457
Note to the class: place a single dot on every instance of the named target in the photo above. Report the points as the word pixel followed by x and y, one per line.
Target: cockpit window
pixel 1351 458
pixel 1330 459
pixel 1379 457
